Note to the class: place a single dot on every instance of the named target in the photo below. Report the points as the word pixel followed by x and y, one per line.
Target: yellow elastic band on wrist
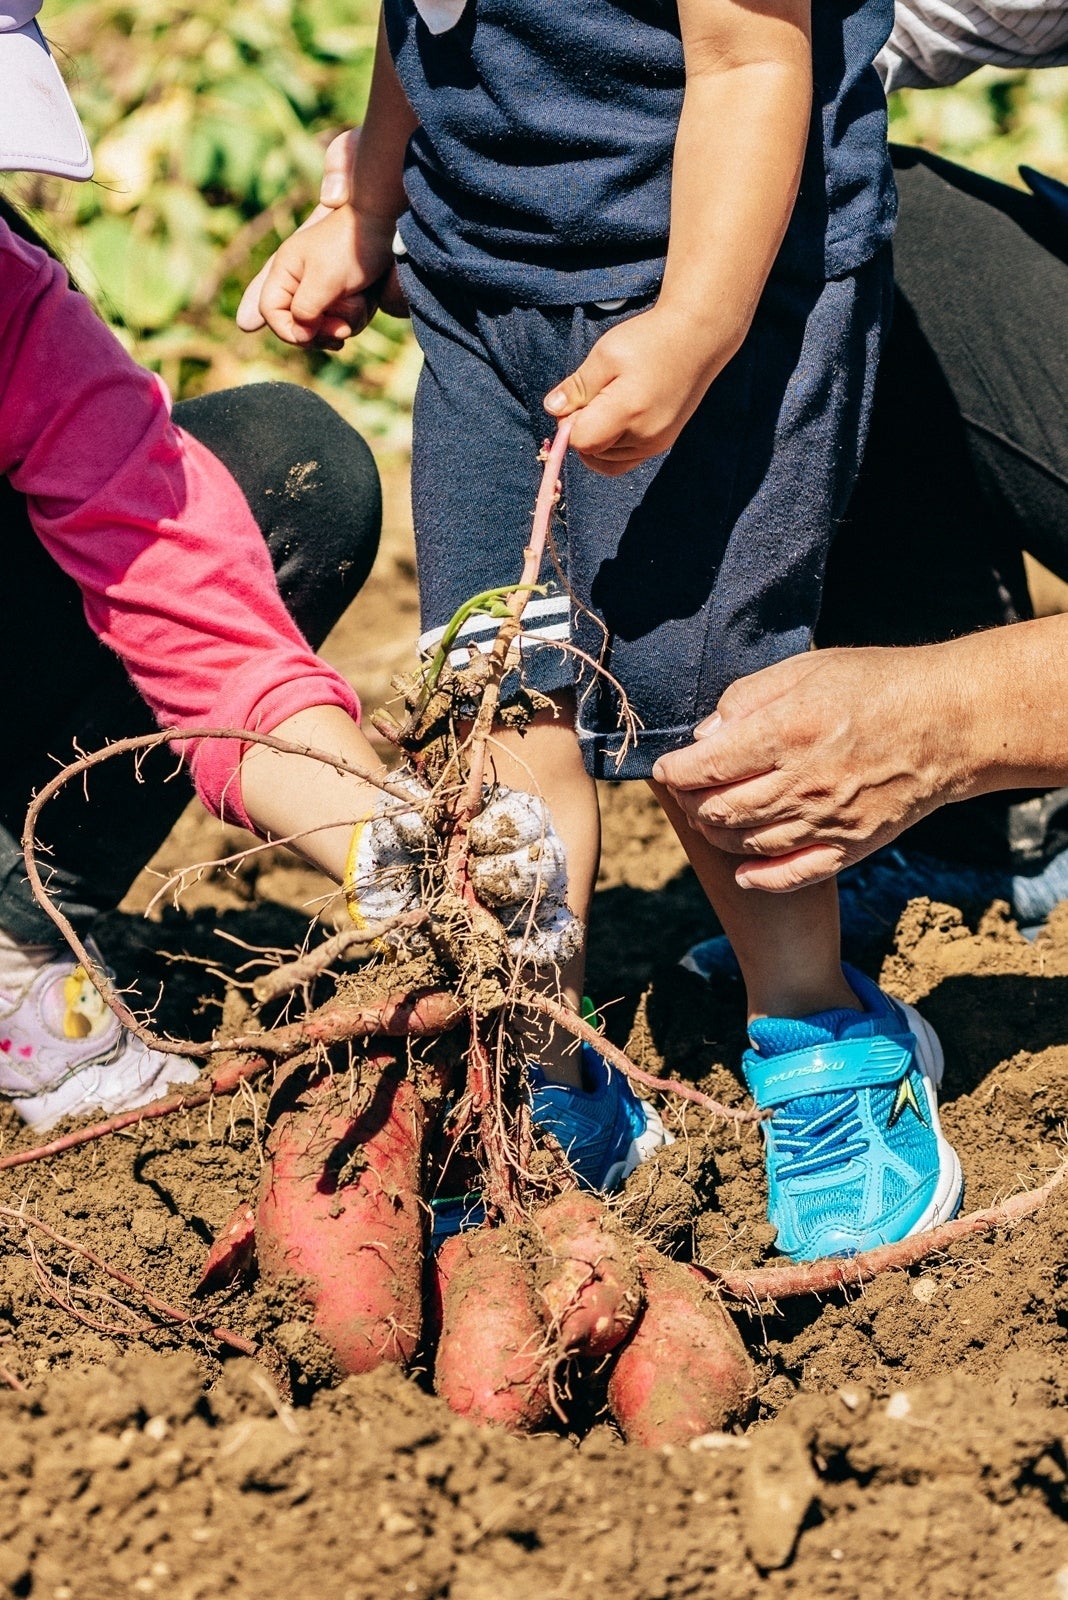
pixel 348 883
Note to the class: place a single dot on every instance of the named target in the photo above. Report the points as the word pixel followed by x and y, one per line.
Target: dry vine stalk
pixel 764 1284
pixel 12 1216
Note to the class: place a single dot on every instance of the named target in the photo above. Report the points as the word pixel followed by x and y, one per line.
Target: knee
pixel 309 478
pixel 329 498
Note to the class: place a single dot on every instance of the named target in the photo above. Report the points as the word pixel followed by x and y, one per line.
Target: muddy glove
pixel 518 867
pixel 516 863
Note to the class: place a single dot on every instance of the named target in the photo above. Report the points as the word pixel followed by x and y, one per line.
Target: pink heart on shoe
pixel 25 1049
pixel 5 1045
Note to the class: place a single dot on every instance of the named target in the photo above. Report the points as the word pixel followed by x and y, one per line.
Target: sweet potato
pixel 340 1212
pixel 232 1254
pixel 684 1371
pixel 492 1364
pixel 587 1277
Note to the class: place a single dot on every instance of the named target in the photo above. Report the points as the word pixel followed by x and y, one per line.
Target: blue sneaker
pixel 855 1152
pixel 452 1214
pixel 604 1130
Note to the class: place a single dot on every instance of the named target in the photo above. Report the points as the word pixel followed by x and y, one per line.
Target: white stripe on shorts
pixel 550 614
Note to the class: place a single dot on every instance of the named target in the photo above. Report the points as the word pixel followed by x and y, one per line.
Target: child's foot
pixel 855 1152
pixel 63 1053
pixel 604 1130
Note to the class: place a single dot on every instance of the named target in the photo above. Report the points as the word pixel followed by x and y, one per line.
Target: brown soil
pixel 908 1439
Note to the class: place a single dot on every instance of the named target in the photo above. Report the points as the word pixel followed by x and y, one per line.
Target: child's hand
pixel 636 390
pixel 337 189
pixel 319 290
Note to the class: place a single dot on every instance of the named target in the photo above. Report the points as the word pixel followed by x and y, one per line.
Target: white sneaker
pixel 63 1053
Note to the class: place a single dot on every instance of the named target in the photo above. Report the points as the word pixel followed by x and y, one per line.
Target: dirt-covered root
pixel 339 1217
pixel 492 1362
pixel 684 1372
pixel 586 1276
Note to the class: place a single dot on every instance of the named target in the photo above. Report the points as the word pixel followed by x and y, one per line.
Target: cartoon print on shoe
pixel 64 1053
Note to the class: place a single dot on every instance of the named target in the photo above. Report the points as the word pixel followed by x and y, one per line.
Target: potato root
pixel 684 1371
pixel 492 1364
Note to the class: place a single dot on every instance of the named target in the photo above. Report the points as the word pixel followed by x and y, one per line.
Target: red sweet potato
pixel 685 1370
pixel 232 1254
pixel 340 1212
pixel 587 1277
pixel 492 1364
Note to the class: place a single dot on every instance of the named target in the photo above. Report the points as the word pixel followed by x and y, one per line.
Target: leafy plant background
pixel 208 126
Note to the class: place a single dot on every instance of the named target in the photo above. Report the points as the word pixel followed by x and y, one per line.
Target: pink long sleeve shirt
pixel 175 575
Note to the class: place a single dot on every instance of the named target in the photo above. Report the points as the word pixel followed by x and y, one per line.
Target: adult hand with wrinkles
pixel 810 765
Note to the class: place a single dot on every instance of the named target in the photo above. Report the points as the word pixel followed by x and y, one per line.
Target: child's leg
pixel 547 761
pixel 475 475
pixel 478 427
pixel 787 945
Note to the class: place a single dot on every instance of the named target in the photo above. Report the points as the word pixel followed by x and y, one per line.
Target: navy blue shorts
pixel 701 565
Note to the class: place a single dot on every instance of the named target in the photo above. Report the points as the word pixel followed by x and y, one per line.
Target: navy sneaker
pixel 452 1214
pixel 604 1129
pixel 855 1152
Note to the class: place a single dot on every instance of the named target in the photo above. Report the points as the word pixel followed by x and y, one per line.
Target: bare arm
pixel 378 167
pixel 324 283
pixel 810 765
pixel 295 798
pixel 738 158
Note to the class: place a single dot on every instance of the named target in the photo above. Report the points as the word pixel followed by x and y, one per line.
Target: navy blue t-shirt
pixel 541 169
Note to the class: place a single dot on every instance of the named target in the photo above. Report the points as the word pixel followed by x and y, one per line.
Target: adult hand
pixel 336 189
pixel 809 765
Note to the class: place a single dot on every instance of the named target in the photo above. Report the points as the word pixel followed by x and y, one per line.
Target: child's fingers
pixel 343 317
pixel 276 305
pixel 583 385
pixel 338 168
pixel 249 318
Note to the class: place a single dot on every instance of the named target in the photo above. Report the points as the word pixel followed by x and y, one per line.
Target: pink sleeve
pixel 173 570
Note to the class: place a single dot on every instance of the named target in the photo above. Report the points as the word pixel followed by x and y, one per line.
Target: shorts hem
pixel 602 756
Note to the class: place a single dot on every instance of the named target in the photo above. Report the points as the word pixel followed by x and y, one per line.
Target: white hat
pixel 39 127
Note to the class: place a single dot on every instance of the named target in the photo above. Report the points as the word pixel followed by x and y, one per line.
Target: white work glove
pixel 516 863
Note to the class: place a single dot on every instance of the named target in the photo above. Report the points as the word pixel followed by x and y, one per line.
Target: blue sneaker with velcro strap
pixel 604 1130
pixel 855 1152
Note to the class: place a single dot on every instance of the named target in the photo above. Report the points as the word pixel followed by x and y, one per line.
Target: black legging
pixel 967 460
pixel 313 488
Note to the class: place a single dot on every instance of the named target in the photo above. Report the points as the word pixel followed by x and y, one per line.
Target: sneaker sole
pixel 654 1137
pixel 949 1191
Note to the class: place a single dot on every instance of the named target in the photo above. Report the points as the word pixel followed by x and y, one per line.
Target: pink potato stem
pixel 533 554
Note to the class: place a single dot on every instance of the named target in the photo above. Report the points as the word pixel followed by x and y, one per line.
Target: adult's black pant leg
pixel 313 489
pixel 967 461
pixel 311 484
pixel 985 270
